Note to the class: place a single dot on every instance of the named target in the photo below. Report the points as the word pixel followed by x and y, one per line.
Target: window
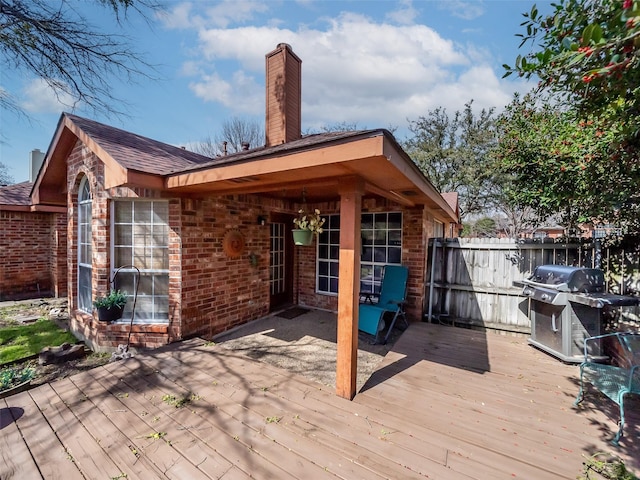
pixel 84 246
pixel 601 231
pixel 141 239
pixel 381 245
pixel 328 253
pixel 438 229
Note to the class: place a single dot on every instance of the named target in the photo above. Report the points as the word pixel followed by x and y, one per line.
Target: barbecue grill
pixel 566 305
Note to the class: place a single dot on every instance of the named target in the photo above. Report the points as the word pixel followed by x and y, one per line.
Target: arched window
pixel 84 246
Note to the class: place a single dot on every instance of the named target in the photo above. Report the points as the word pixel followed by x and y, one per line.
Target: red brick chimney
pixel 284 96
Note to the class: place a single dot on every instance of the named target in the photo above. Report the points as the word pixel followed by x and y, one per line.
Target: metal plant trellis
pixel 136 282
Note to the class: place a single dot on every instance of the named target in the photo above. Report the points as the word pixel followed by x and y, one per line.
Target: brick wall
pixel 219 291
pixel 28 249
pixel 100 335
pixel 209 290
pixel 58 260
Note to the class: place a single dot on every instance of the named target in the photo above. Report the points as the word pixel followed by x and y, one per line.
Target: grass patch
pixel 20 341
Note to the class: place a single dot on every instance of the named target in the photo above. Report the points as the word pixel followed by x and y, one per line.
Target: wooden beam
pixel 318 157
pixel 49 208
pixel 411 171
pixel 390 195
pixel 144 180
pixel 348 286
pixel 227 188
pixel 15 208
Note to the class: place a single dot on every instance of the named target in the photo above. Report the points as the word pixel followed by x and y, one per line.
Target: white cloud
pixel 40 97
pixel 241 93
pixel 405 15
pixel 222 14
pixel 465 9
pixel 180 17
pixel 355 70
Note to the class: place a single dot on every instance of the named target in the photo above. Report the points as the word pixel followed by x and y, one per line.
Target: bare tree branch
pixel 235 132
pixel 51 40
pixel 5 178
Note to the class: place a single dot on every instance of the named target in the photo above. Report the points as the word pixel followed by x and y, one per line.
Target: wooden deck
pixel 446 403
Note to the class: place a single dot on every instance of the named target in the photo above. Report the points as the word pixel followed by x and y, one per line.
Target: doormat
pixel 292 312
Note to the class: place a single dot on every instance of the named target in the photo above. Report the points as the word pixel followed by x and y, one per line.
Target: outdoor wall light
pixel 262 220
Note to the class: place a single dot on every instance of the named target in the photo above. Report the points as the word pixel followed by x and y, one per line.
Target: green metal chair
pixel 615 381
pixel 392 300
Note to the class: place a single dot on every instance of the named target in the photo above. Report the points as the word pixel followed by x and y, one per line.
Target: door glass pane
pixel 277 264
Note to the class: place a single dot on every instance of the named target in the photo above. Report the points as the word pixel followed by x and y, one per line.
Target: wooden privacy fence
pixel 470 280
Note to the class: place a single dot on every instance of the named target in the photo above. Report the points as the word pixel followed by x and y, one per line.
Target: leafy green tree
pixel 562 165
pixel 454 153
pixel 587 51
pixel 485 227
pixel 51 40
pixel 579 153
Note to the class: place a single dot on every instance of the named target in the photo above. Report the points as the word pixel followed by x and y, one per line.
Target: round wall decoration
pixel 233 243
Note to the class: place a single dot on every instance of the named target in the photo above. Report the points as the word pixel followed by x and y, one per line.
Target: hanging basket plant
pixel 302 237
pixel 307 225
pixel 111 306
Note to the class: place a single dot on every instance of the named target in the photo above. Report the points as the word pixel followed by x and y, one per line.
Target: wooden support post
pixel 348 287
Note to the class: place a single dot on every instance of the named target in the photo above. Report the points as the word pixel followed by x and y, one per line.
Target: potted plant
pixel 307 224
pixel 110 306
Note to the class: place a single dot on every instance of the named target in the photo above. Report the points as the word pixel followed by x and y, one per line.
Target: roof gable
pixel 135 152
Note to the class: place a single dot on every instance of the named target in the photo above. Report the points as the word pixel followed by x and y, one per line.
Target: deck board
pixel 49 453
pixel 16 461
pixel 81 448
pixel 540 423
pixel 309 414
pixel 445 403
pixel 246 448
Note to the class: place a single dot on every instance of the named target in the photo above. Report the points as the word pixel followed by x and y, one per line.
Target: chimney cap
pixel 283 46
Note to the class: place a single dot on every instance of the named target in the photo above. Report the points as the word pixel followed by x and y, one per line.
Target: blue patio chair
pixel 392 299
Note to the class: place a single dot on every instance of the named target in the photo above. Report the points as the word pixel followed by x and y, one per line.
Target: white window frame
pixel 368 267
pixel 158 311
pixel 84 239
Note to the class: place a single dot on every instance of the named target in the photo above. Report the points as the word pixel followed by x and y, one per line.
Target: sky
pixel 372 64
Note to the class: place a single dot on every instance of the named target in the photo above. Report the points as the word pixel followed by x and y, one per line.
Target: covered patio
pixel 444 403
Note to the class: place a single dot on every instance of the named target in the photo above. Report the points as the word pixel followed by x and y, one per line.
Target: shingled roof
pixel 16 194
pixel 136 152
pixel 143 154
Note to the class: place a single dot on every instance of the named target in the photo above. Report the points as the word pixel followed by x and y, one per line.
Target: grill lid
pixel 568 279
